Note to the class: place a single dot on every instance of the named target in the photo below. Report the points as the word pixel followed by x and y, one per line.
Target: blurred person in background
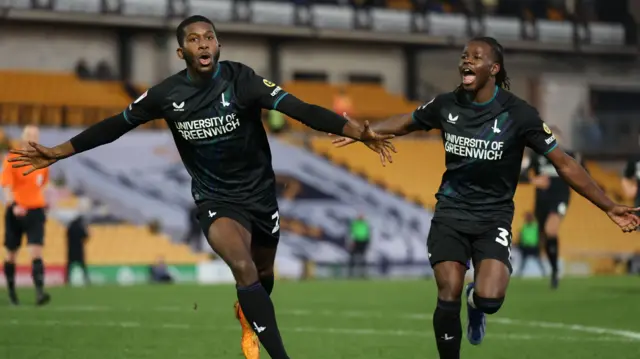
pixel 159 272
pixel 77 237
pixel 342 102
pixel 551 203
pixel 213 109
pixel 485 129
pixel 529 242
pixel 630 180
pixel 193 238
pixel 26 204
pixel 359 238
pixel 276 121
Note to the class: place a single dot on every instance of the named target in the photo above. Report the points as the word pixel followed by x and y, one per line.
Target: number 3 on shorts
pixel 503 237
pixel 276 216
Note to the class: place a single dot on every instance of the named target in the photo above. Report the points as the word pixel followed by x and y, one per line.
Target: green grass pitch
pixel 586 318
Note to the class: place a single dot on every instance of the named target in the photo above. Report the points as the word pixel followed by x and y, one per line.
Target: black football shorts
pixel 262 219
pixel 453 240
pixel 31 224
pixel 551 203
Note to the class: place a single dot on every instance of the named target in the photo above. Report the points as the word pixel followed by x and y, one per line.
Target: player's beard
pixel 192 61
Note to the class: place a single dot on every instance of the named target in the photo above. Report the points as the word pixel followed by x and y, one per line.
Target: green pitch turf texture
pixel 585 318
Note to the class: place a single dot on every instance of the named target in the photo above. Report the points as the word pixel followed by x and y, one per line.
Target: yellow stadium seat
pixel 40 97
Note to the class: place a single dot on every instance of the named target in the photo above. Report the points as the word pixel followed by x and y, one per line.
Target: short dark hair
pixel 188 21
pixel 502 80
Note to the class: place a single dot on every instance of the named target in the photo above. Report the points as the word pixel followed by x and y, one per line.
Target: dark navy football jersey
pixel 484 145
pixel 217 129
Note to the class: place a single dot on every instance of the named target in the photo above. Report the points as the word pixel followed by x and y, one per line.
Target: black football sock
pixel 552 253
pixel 37 273
pixel 447 328
pixel 260 313
pixel 267 283
pixel 10 275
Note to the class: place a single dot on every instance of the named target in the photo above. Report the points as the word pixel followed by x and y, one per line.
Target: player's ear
pixel 495 68
pixel 180 53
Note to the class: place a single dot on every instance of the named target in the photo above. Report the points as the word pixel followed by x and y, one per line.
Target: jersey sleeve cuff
pixel 551 149
pixel 277 101
pixel 126 118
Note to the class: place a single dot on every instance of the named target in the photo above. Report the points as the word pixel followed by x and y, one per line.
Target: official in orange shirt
pixel 25 214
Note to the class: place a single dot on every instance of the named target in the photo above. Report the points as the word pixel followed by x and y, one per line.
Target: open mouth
pixel 468 76
pixel 204 60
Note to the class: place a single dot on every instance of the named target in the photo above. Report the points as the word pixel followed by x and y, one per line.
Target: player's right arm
pixel 424 118
pixel 142 110
pixel 628 182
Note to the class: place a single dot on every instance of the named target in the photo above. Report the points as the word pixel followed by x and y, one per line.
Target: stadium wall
pixel 148 66
pixel 339 60
pixel 563 94
pixel 55 47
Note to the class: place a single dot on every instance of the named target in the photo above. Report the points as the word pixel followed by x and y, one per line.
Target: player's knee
pixel 36 251
pixel 11 256
pixel 488 304
pixel 450 290
pixel 265 271
pixel 244 270
pixel 552 226
pixel 450 281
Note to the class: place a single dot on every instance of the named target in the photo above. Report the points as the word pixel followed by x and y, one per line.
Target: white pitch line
pixel 631 335
pixel 311 330
pixel 571 327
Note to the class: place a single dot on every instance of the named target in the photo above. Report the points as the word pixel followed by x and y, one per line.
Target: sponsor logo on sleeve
pixel 268 83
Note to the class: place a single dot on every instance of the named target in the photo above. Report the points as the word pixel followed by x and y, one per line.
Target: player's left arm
pixel 142 110
pixel 256 90
pixel 540 138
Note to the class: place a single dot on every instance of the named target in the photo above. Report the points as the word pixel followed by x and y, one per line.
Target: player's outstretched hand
pixel 378 143
pixel 625 217
pixel 36 156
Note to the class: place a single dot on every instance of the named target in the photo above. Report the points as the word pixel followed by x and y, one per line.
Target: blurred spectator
pixel 103 72
pixel 155 227
pixel 530 242
pixel 342 103
pixel 82 70
pixel 276 121
pixel 359 238
pixel 77 236
pixel 587 128
pixel 159 272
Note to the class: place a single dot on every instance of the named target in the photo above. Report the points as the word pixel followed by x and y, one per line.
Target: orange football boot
pixel 250 343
